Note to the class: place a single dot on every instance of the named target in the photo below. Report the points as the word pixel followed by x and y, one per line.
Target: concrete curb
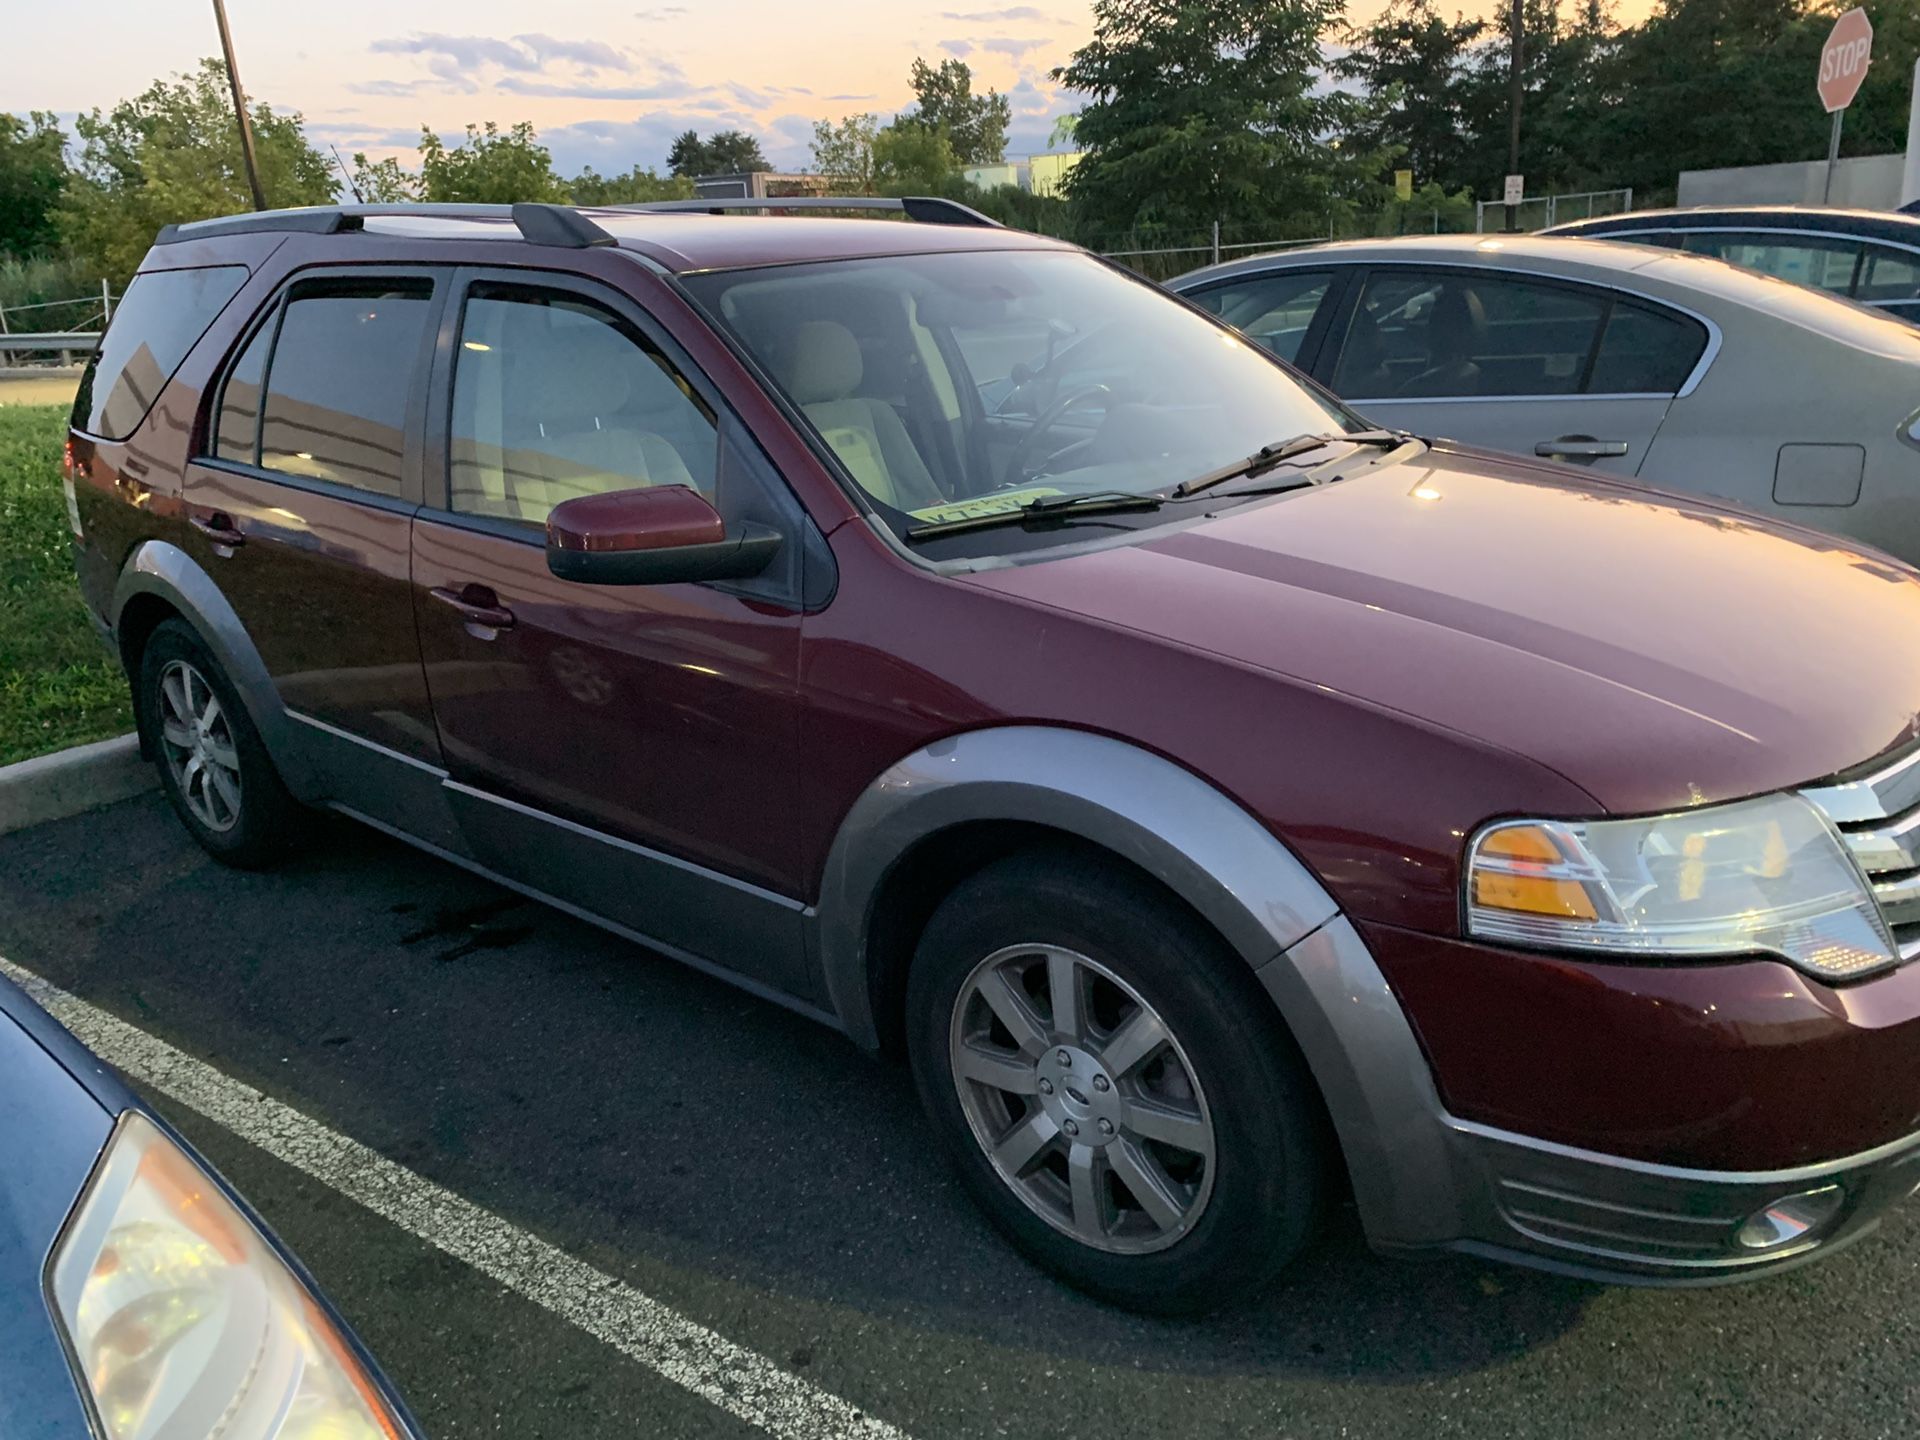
pixel 68 782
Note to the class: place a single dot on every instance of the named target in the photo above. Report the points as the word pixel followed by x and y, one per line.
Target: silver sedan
pixel 1685 372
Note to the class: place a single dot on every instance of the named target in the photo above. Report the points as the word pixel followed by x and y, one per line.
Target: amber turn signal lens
pixel 1533 895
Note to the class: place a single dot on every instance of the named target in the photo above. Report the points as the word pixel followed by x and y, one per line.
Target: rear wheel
pixel 212 764
pixel 1114 1088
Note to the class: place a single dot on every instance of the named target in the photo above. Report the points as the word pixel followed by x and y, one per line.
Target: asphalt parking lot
pixel 750 1170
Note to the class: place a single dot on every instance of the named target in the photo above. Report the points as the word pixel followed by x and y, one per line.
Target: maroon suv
pixel 939 631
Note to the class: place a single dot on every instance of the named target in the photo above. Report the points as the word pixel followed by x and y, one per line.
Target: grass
pixel 58 684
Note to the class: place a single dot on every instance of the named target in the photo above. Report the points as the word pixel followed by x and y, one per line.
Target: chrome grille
pixel 1878 813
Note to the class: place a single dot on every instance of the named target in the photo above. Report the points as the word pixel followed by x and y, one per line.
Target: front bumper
pixel 1426 1179
pixel 1634 1222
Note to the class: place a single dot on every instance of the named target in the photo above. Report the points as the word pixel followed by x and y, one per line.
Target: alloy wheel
pixel 197 743
pixel 1082 1099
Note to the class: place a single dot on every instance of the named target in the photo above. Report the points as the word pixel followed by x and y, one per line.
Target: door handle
pixel 1579 447
pixel 218 527
pixel 477 605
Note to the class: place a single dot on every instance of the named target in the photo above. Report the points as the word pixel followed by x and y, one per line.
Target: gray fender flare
pixel 168 573
pixel 1210 851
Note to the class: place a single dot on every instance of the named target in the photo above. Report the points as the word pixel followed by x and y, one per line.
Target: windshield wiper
pixel 1268 456
pixel 1044 507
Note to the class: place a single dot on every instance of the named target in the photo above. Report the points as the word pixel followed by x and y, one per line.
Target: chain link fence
pixel 1160 255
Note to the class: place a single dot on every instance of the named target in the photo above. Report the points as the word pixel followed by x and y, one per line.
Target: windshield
pixel 952 385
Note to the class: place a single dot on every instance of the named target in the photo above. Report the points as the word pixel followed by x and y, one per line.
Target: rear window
pixel 159 318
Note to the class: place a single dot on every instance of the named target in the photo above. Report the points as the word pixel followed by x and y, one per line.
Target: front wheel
pixel 1114 1087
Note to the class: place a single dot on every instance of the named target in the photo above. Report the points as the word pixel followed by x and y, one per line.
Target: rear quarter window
pixel 1646 352
pixel 160 318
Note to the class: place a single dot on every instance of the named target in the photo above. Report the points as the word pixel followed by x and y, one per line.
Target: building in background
pixel 758 185
pixel 1039 174
pixel 1868 182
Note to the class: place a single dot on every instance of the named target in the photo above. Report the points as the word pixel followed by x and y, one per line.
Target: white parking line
pixel 732 1377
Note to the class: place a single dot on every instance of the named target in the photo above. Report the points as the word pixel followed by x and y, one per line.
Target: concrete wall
pixel 1871 182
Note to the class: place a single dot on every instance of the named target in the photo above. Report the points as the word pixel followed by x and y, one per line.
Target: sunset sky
pixel 607 84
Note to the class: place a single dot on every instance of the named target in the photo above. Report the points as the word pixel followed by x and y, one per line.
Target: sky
pixel 607 83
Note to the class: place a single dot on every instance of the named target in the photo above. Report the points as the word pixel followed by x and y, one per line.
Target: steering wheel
pixel 1016 471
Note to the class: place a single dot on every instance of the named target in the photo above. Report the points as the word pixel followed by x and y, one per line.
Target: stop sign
pixel 1843 60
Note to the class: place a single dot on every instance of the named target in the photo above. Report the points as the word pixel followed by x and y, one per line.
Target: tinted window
pixel 237 432
pixel 160 317
pixel 1646 352
pixel 1274 310
pixel 1889 275
pixel 1814 261
pixel 341 378
pixel 555 397
pixel 1425 334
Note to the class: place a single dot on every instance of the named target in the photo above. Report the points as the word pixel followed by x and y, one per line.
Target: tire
pixel 1228 1206
pixel 212 762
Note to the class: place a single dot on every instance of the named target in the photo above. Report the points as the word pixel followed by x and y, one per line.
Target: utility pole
pixel 240 108
pixel 1516 57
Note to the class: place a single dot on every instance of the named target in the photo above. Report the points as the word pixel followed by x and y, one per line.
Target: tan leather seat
pixel 565 422
pixel 821 368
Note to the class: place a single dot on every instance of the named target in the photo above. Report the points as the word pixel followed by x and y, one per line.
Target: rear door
pixel 1534 366
pixel 628 749
pixel 301 506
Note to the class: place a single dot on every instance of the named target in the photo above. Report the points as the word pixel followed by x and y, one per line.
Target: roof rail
pixel 539 224
pixel 927 209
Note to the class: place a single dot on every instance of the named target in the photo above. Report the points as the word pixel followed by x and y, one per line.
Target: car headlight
pixel 182 1320
pixel 1761 875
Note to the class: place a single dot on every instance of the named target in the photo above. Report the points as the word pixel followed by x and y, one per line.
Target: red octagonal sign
pixel 1843 60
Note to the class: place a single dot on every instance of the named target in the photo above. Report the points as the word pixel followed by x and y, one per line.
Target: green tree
pixel 843 153
pixel 910 159
pixel 1204 112
pixel 975 125
pixel 491 166
pixel 1417 63
pixel 33 175
pixel 383 182
pixel 727 152
pixel 171 154
pixel 633 188
pixel 1706 83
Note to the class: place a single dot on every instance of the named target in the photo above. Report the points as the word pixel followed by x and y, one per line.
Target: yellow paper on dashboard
pixel 995 504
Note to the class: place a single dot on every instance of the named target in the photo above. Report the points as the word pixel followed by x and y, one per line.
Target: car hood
pixel 1658 651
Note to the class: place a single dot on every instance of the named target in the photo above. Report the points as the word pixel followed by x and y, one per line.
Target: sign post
pixel 1843 66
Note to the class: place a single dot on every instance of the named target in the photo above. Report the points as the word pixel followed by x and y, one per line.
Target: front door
pixel 627 749
pixel 1536 367
pixel 301 510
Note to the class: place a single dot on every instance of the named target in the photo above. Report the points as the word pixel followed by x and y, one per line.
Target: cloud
pixel 1013 13
pixel 1012 48
pixel 959 48
pixel 390 89
pixel 660 14
pixel 456 57
pixel 590 53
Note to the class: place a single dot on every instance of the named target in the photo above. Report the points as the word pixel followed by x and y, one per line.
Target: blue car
pixel 140 1297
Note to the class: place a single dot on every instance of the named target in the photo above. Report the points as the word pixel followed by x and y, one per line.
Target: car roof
pixel 1875 224
pixel 677 240
pixel 1676 277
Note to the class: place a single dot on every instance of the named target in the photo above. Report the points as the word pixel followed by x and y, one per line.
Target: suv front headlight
pixel 1765 875
pixel 181 1320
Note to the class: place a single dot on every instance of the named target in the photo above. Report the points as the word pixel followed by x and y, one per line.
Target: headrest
pixel 1458 323
pixel 821 362
pixel 567 369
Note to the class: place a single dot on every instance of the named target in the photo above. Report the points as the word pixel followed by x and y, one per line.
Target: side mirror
pixel 662 535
